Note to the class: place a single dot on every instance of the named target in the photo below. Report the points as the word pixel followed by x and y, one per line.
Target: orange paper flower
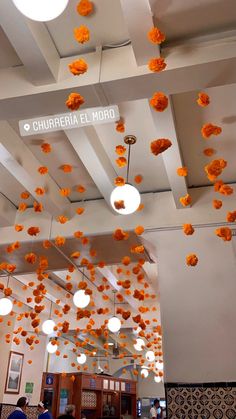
pixel 65 191
pixel 80 210
pixel 126 260
pixel 33 231
pixel 159 101
pixel 121 162
pixel 38 207
pixel 22 206
pixel 67 168
pixel 25 195
pixel 139 230
pixel 188 229
pixel 119 181
pixel 203 99
pixel 43 170
pixel 31 258
pixel 120 234
pixel 85 7
pixel 120 126
pixel 217 204
pixel 210 129
pixel 78 67
pixel 60 241
pixel 82 34
pixel 80 189
pixel 231 217
pixel 182 171
pixel 157 64
pixel 225 233
pixel 119 204
pixel 226 190
pixel 209 152
pixel 46 148
pixel 120 150
pixel 19 227
pixel 74 101
pixel 62 219
pixel 156 36
pixel 40 191
pixel 191 260
pixel 214 169
pixel 159 146
pixel 185 200
pixel 138 179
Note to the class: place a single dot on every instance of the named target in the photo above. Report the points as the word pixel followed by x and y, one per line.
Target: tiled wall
pixel 6 409
pixel 201 401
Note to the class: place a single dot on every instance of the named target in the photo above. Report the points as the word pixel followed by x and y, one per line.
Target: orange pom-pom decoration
pixel 74 101
pixel 120 150
pixel 121 162
pixel 78 67
pixel 188 229
pixel 217 204
pixel 191 260
pixel 203 99
pixel 159 101
pixel 210 129
pixel 159 146
pixel 182 171
pixel 156 36
pixel 43 170
pixel 185 200
pixel 85 7
pixel 46 148
pixel 224 232
pixel 209 152
pixel 119 181
pixel 120 234
pixel 82 34
pixel 157 64
pixel 231 217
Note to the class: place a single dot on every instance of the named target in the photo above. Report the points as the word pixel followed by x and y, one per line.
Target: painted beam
pixel 7 212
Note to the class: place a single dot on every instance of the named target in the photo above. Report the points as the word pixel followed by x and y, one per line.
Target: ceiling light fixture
pixel 6 304
pixel 157 379
pixel 139 345
pixel 159 365
pixel 41 10
pixel 81 299
pixel 150 356
pixel 51 348
pixel 114 324
pixel 48 325
pixel 81 359
pixel 144 373
pixel 126 195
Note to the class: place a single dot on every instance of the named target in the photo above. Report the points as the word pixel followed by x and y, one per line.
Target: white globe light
pixel 41 10
pixel 129 195
pixel 81 359
pixel 150 356
pixel 137 330
pixel 114 324
pixel 48 327
pixel 51 348
pixel 144 373
pixel 139 345
pixel 80 299
pixel 157 379
pixel 5 306
pixel 159 365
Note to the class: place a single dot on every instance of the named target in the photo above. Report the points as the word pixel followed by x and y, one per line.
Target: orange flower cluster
pixel 38 207
pixel 74 101
pixel 65 191
pixel 82 34
pixel 191 260
pixel 81 189
pixel 120 126
pixel 33 231
pixel 119 181
pixel 214 169
pixel 231 217
pixel 119 204
pixel 217 204
pixel 203 99
pixel 222 188
pixel 185 200
pixel 85 7
pixel 121 162
pixel 159 146
pixel 210 129
pixel 31 257
pixel 139 230
pixel 209 152
pixel 25 195
pixel 188 229
pixel 43 170
pixel 46 148
pixel 225 233
pixel 78 67
pixel 120 150
pixel 120 234
pixel 182 171
pixel 138 179
pixel 156 36
pixel 157 64
pixel 159 101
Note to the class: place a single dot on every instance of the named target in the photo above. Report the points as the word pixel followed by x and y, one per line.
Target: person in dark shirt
pixel 43 412
pixel 69 412
pixel 19 412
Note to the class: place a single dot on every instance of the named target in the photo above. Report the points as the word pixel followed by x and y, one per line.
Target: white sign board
pixel 77 119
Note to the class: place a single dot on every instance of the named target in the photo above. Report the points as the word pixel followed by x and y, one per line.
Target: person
pixel 43 412
pixel 154 410
pixel 19 412
pixel 69 412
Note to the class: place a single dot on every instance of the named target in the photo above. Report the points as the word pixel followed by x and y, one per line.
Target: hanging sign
pixel 77 119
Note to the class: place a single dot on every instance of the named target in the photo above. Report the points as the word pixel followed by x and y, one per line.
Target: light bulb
pixel 137 330
pixel 48 327
pixel 144 373
pixel 81 359
pixel 139 345
pixel 51 348
pixel 41 10
pixel 150 356
pixel 157 379
pixel 159 365
pixel 5 306
pixel 130 197
pixel 114 324
pixel 80 299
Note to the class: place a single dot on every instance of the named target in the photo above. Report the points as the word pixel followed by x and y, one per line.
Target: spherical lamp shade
pixel 159 365
pixel 114 324
pixel 5 306
pixel 51 348
pixel 48 327
pixel 137 330
pixel 150 356
pixel 81 359
pixel 41 10
pixel 157 379
pixel 80 299
pixel 130 197
pixel 139 345
pixel 144 373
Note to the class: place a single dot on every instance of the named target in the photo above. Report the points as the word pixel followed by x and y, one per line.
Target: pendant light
pixel 51 348
pixel 41 10
pixel 139 345
pixel 80 298
pixel 150 356
pixel 81 359
pixel 6 305
pixel 114 324
pixel 144 372
pixel 48 325
pixel 127 193
pixel 157 379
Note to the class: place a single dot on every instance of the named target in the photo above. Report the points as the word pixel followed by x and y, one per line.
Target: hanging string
pixel 128 165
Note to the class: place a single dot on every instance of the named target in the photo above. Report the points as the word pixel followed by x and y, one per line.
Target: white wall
pixel 198 308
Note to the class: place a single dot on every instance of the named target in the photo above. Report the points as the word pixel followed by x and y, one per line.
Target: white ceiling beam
pixel 150 270
pixel 165 128
pixel 91 152
pixel 7 212
pixel 13 151
pixel 32 43
pixel 121 79
pixel 139 20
